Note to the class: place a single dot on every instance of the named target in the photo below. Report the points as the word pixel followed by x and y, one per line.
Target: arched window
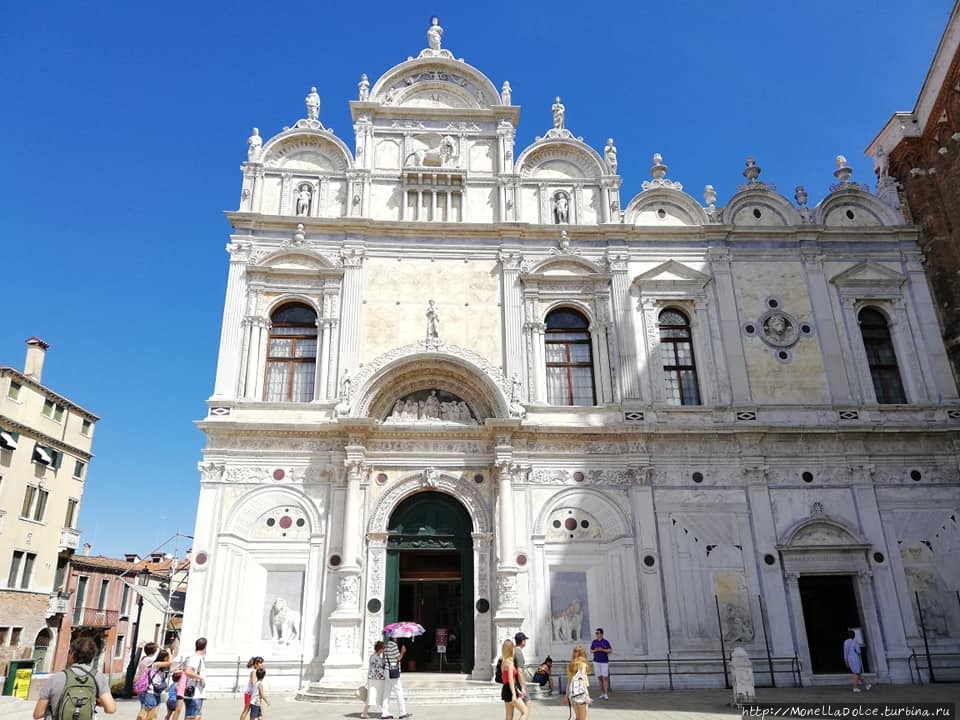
pixel 881 357
pixel 292 354
pixel 569 359
pixel 679 366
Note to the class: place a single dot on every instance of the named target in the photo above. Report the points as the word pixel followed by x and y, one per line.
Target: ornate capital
pixel 352 257
pixel 239 251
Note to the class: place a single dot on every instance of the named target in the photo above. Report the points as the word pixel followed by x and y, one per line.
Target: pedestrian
pixel 393 656
pixel 578 683
pixel 174 696
pixel 854 663
pixel 601 649
pixel 520 642
pixel 375 678
pixel 259 696
pixel 513 690
pixel 158 674
pixel 254 664
pixel 77 683
pixel 147 658
pixel 193 668
pixel 544 674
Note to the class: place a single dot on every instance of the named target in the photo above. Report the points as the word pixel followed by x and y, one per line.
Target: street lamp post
pixel 132 667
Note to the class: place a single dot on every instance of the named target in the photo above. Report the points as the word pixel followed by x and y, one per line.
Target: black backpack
pixel 79 697
pixel 499 676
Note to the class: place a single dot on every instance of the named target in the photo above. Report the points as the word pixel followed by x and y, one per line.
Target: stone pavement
pixel 662 705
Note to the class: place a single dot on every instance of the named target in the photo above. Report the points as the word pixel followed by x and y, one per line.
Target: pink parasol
pixel 403 630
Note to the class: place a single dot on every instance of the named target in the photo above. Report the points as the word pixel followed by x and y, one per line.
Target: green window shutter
pixel 57 456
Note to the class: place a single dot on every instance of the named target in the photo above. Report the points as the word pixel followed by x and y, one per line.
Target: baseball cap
pixel 520 637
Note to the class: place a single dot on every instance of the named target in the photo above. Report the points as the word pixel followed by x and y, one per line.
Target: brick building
pixel 920 150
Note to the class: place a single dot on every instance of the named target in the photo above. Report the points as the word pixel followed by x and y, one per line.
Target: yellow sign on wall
pixel 21 682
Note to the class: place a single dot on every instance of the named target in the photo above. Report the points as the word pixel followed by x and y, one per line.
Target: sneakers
pixel 869 686
pixel 604 697
pixel 405 715
pixel 856 689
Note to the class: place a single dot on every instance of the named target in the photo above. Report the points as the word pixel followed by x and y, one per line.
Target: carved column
pixel 256 198
pixel 320 381
pixel 263 326
pixel 257 327
pixel 376 590
pixel 857 352
pixel 652 611
pixel 703 345
pixel 598 342
pixel 512 294
pixel 351 514
pixel 350 306
pixel 730 326
pixel 577 212
pixel 620 290
pixel 285 192
pixel 905 343
pixel 482 624
pixel 536 363
pixel 228 362
pixel 654 364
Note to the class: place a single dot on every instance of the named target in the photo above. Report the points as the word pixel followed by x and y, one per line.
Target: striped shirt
pixel 392 654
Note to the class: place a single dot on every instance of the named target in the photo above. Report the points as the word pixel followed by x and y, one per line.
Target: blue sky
pixel 124 125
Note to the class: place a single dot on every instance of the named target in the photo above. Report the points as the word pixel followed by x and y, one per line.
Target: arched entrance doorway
pixel 429 579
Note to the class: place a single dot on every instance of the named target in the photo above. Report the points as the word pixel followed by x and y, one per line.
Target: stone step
pixel 426 688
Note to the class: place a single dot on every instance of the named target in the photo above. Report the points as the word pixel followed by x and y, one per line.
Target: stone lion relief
pixel 284 622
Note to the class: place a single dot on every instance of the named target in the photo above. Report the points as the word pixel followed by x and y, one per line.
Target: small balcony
pixel 69 539
pixel 59 600
pixel 95 618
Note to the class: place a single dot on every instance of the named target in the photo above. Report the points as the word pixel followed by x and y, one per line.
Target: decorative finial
pixel 364 88
pixel 843 171
pixel 710 196
pixel 800 195
pixel 505 92
pixel 313 104
pixel 254 145
pixel 658 170
pixel 300 235
pixel 752 171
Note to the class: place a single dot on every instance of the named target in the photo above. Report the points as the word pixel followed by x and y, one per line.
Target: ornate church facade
pixel 466 384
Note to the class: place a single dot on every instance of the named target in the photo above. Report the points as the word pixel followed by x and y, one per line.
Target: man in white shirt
pixel 194 667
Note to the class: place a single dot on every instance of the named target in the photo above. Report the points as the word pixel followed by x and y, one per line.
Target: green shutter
pixel 57 458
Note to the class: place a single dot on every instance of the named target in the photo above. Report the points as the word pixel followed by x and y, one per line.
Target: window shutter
pixel 57 456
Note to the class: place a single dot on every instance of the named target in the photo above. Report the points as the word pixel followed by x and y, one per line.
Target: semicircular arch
pixel 678 208
pixel 853 208
pixel 762 208
pixel 614 524
pixel 456 487
pixel 308 151
pixel 820 531
pixel 552 158
pixel 412 78
pixel 261 501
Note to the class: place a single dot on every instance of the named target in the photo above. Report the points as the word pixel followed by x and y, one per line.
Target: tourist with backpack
pixel 578 683
pixel 150 685
pixel 74 693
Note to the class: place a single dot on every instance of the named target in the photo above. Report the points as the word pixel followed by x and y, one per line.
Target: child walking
pixel 258 697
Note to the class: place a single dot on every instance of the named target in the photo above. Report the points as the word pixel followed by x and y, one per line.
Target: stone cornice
pixel 47 392
pixel 44 439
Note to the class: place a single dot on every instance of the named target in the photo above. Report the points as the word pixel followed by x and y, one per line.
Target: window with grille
pixel 292 354
pixel 679 366
pixel 884 370
pixel 569 359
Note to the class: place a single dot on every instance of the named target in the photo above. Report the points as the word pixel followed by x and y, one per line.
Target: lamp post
pixel 132 667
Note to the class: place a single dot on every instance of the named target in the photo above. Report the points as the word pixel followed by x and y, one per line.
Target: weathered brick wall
pixel 25 610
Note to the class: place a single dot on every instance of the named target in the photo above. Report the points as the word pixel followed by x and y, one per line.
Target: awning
pixel 7 440
pixel 41 454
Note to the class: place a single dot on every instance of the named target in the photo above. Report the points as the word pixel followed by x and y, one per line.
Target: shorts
pixel 255 712
pixel 192 707
pixel 148 700
pixel 856 667
pixel 601 669
pixel 172 702
pixel 506 693
pixel 246 700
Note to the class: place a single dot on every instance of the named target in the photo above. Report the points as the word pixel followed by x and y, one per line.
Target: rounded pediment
pixel 565 266
pixel 561 159
pixel 821 533
pixel 851 207
pixel 435 82
pixel 664 207
pixel 309 151
pixel 293 259
pixel 760 208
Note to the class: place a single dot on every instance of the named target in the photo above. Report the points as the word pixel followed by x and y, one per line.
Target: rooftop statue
pixel 313 104
pixel 558 112
pixel 254 145
pixel 505 92
pixel 364 88
pixel 434 33
pixel 610 155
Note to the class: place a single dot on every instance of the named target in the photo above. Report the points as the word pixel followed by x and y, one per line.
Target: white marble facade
pixel 632 512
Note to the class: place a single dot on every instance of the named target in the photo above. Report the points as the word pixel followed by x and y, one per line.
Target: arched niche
pixel 560 159
pixel 307 151
pixel 384 382
pixel 760 208
pixel 854 208
pixel 607 517
pixel 664 207
pixel 451 83
pixel 244 519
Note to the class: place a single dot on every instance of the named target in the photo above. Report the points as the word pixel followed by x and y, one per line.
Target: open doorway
pixel 830 609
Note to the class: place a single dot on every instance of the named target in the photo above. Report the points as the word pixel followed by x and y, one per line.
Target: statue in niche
pixel 431 406
pixel 561 208
pixel 433 322
pixel 567 624
pixel 558 112
pixel 304 198
pixel 440 155
pixel 364 88
pixel 399 410
pixel 883 163
pixel 737 626
pixel 610 155
pixel 313 104
pixel 391 96
pixel 505 92
pixel 434 34
pixel 254 145
pixel 346 385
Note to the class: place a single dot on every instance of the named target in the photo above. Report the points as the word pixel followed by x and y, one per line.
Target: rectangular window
pixel 29 495
pixel 124 598
pixel 48 407
pixel 85 427
pixel 41 507
pixel 28 561
pixel 70 519
pixel 13 392
pixel 78 467
pixel 15 634
pixel 9 439
pixel 42 455
pixel 118 649
pixel 15 564
pixel 4 634
pixel 102 600
pixel 79 599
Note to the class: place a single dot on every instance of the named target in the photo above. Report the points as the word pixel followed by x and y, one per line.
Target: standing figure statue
pixel 558 111
pixel 254 144
pixel 610 155
pixel 561 208
pixel 313 104
pixel 433 322
pixel 434 34
pixel 346 385
pixel 883 163
pixel 303 200
pixel 364 88
pixel 505 92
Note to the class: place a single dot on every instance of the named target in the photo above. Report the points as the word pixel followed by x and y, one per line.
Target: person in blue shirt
pixel 601 649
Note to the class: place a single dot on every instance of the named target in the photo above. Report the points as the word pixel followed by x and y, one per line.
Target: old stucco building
pixel 468 384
